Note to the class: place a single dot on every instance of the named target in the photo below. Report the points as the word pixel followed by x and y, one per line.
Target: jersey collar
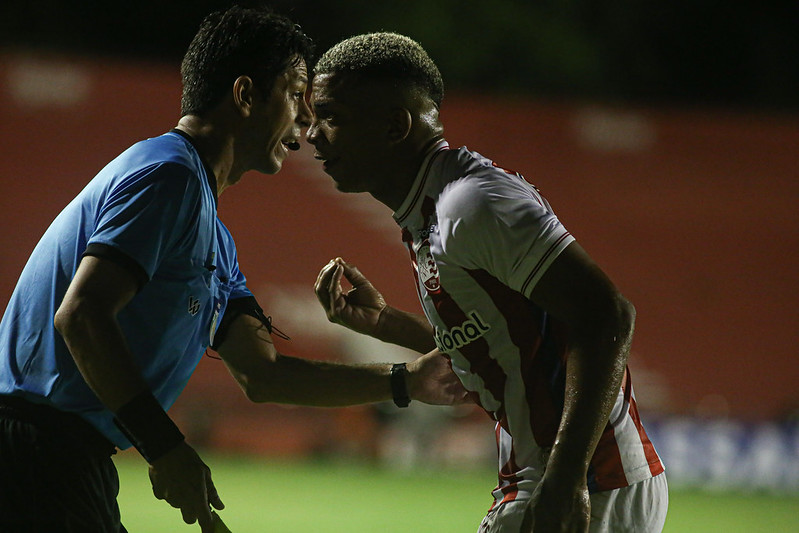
pixel 418 185
pixel 208 172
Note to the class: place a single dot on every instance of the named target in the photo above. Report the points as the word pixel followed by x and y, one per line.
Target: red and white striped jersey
pixel 480 238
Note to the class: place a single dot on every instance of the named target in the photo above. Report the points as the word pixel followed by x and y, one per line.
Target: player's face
pixel 278 119
pixel 347 132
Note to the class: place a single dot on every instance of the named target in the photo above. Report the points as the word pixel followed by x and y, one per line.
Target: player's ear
pixel 243 95
pixel 399 124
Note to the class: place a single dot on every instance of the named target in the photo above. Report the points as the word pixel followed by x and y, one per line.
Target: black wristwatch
pixel 399 388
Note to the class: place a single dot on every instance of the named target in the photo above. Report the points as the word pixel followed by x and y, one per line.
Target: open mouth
pixel 291 144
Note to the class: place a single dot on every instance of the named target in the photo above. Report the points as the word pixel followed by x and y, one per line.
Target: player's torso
pixel 506 350
pixel 500 344
pixel 466 308
pixel 490 334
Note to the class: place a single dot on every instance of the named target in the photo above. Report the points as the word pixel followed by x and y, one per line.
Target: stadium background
pixel 664 135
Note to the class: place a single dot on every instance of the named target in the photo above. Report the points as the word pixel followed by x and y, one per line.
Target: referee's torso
pixel 153 210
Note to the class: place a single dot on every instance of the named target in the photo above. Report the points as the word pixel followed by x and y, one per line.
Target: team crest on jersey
pixel 194 305
pixel 428 270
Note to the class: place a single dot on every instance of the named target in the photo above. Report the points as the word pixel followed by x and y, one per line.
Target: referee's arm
pixel 87 320
pixel 265 375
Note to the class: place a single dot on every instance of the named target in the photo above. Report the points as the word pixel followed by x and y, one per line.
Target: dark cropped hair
pixel 385 56
pixel 237 42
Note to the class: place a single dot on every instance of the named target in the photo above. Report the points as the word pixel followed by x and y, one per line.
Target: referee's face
pixel 348 133
pixel 276 118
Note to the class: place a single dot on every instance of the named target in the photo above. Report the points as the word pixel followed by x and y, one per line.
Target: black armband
pixel 247 305
pixel 399 389
pixel 147 426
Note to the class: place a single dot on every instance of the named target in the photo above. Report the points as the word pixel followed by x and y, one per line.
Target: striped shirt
pixel 480 238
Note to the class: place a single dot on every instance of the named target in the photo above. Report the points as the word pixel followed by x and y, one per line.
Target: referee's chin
pixel 273 166
pixel 274 162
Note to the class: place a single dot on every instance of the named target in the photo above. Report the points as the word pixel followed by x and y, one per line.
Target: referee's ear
pixel 242 92
pixel 400 122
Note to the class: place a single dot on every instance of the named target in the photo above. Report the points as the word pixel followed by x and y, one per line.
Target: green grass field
pixel 269 495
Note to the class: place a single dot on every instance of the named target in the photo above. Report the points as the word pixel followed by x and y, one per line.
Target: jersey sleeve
pixel 238 285
pixel 237 281
pixel 148 214
pixel 501 225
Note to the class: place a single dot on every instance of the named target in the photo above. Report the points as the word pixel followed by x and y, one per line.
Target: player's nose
pixel 312 135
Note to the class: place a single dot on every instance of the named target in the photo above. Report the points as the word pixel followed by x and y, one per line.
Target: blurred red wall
pixel 691 211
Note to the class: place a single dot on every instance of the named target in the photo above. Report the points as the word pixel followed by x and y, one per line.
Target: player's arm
pixel 364 310
pixel 87 320
pixel 265 375
pixel 600 322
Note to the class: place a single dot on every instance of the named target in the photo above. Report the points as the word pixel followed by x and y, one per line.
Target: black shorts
pixel 56 472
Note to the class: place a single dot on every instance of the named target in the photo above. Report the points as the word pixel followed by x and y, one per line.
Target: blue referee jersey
pixel 152 210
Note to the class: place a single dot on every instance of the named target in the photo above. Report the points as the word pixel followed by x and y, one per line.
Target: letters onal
pixel 472 328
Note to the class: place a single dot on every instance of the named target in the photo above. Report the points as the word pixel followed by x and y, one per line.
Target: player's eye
pixel 322 115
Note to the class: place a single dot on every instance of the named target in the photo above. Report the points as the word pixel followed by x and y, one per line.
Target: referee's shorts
pixel 56 472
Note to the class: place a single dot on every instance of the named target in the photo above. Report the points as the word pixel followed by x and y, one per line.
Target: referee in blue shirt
pixel 137 276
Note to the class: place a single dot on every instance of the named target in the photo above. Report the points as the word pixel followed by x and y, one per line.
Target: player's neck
pixel 401 174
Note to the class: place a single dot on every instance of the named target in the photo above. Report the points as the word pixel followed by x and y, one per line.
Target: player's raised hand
pixel 432 380
pixel 358 308
pixel 182 479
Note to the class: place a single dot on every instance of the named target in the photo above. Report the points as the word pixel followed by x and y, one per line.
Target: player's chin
pixel 346 187
pixel 343 186
pixel 341 182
